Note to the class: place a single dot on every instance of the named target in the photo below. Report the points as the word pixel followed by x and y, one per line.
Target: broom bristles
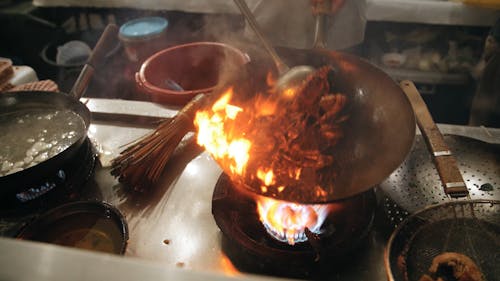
pixel 142 164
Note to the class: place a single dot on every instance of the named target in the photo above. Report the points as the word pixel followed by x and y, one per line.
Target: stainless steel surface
pixel 27 261
pixel 488 135
pixel 126 113
pixel 172 234
pixel 173 226
pixel 180 212
pixel 416 184
pixel 140 118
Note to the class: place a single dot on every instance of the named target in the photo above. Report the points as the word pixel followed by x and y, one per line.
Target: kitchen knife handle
pixel 445 162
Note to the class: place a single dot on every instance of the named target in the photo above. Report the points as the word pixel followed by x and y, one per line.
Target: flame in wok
pixel 283 220
pixel 278 145
pixel 213 136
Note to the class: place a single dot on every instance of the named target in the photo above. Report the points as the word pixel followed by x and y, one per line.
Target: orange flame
pixel 266 177
pixel 266 140
pixel 287 221
pixel 213 136
pixel 221 130
pixel 284 221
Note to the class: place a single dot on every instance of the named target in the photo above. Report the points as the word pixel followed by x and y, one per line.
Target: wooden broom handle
pixel 445 162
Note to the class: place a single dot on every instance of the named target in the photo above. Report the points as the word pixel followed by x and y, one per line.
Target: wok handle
pixel 103 46
pixel 445 162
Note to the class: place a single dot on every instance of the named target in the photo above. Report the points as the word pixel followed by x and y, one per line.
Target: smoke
pixel 230 30
pixel 117 74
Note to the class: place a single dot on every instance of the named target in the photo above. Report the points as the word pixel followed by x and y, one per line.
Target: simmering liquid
pixel 30 137
pixel 88 231
pixel 89 239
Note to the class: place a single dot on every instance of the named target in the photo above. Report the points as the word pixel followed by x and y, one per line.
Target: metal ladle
pixel 289 77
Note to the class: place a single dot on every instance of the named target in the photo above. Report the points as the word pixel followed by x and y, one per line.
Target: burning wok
pixel 376 136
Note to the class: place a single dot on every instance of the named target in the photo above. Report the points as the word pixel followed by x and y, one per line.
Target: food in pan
pixel 450 266
pixel 283 141
pixel 32 136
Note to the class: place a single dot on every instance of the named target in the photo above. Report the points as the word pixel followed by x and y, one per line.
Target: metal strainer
pixel 467 229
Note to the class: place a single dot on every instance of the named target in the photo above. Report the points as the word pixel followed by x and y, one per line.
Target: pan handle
pixel 445 162
pixel 103 46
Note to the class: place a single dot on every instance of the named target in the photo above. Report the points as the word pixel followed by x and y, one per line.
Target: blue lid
pixel 143 27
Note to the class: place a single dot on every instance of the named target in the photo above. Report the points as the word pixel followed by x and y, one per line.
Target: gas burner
pixel 252 249
pixel 62 185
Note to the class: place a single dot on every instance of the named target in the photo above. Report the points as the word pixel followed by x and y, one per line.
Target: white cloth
pixel 287 23
pixel 290 23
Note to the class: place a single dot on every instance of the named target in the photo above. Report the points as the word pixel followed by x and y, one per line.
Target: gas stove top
pixel 173 225
pixel 253 248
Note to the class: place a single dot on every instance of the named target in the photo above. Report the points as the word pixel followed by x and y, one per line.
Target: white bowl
pixel 73 53
pixel 393 59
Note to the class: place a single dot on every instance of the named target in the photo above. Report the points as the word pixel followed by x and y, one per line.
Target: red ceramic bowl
pixel 195 67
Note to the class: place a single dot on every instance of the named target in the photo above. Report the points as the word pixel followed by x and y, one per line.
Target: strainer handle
pixel 445 162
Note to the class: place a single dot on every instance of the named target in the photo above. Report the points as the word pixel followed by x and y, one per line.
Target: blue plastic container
pixel 143 37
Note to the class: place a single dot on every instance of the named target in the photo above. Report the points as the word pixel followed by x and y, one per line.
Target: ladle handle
pixel 445 162
pixel 280 65
pixel 321 24
pixel 103 46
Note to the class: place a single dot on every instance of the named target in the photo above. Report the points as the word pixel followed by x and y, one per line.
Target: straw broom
pixel 141 164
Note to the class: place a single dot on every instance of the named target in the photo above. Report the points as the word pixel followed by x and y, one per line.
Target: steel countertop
pixel 172 231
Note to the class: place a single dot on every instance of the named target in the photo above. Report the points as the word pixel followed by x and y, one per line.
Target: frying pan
pixel 461 234
pixel 25 101
pixel 379 132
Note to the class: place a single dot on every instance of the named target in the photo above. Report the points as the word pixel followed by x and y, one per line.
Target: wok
pixel 30 101
pixel 378 134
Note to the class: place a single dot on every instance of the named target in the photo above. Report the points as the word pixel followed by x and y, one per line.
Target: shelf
pixel 430 77
pixel 416 11
pixel 430 12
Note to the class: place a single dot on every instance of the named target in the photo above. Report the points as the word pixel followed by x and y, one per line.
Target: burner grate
pixel 251 249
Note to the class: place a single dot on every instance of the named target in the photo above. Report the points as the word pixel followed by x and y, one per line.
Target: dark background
pixel 29 36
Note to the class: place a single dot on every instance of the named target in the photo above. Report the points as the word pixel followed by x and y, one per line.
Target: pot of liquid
pixel 42 130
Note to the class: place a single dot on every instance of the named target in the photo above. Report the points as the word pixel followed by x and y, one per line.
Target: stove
pixel 253 249
pixel 175 226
